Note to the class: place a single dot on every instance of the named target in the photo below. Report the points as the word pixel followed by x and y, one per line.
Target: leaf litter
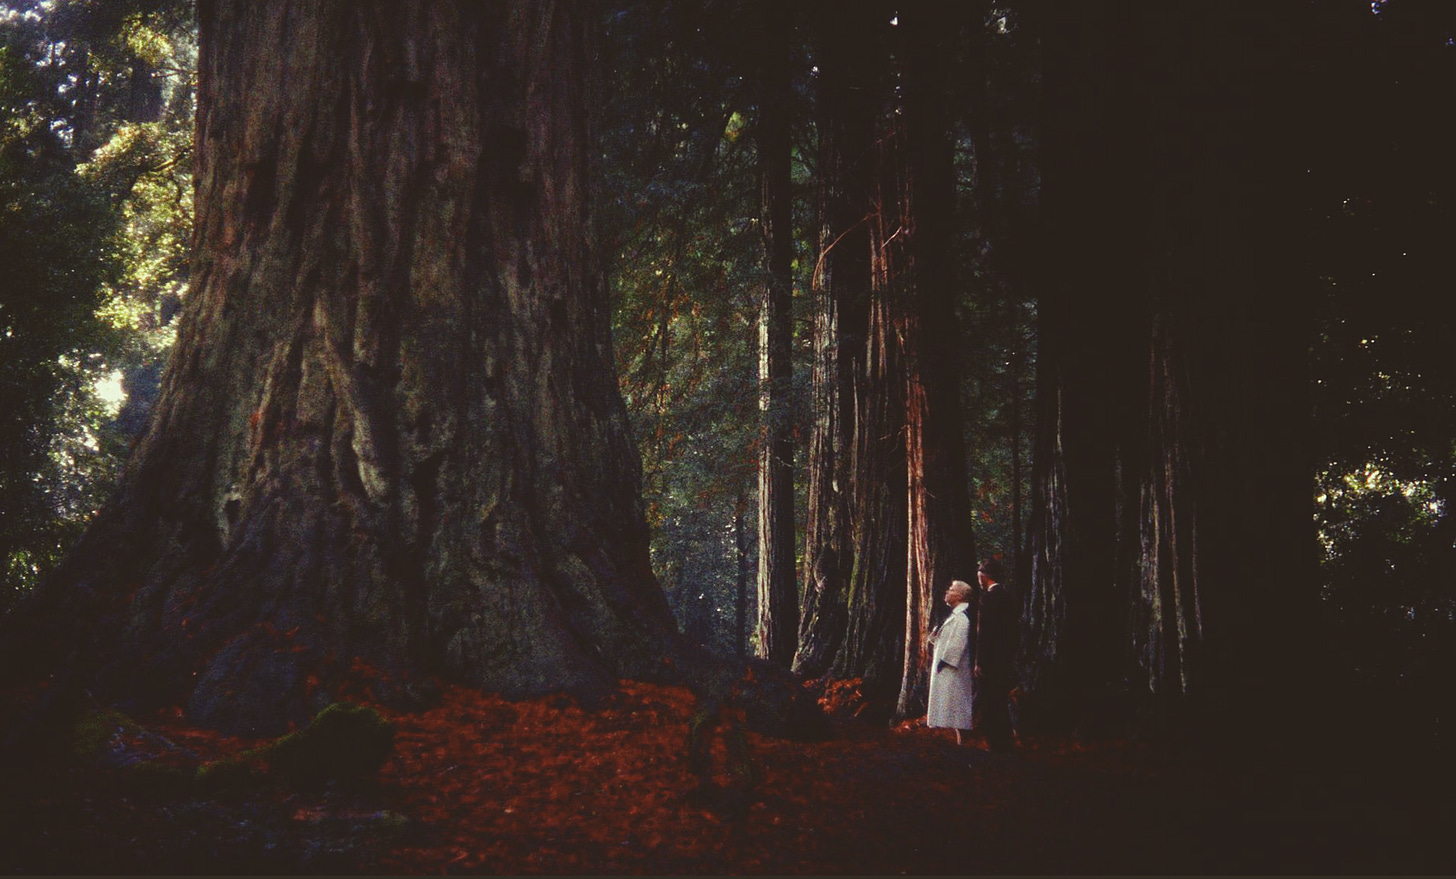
pixel 482 784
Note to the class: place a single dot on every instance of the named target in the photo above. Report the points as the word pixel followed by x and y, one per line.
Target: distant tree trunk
pixel 85 96
pixel 848 61
pixel 940 545
pixel 742 546
pixel 778 612
pixel 390 433
pixel 1018 435
pixel 1171 518
pixel 144 99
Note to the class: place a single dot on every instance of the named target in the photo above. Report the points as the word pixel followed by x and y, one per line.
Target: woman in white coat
pixel 951 664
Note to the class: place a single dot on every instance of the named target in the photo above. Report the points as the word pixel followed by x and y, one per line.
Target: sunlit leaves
pixel 94 221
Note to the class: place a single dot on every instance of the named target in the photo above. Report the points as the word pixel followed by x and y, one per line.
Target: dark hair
pixel 991 568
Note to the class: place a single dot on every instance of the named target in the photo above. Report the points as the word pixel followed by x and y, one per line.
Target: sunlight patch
pixel 110 392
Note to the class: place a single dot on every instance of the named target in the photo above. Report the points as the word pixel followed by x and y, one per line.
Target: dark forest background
pixel 96 103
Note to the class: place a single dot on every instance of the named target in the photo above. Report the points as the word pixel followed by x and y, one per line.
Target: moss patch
pixel 345 742
pixel 92 735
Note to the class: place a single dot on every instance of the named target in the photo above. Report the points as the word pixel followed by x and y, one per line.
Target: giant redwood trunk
pixel 887 527
pixel 874 640
pixel 875 606
pixel 1089 338
pixel 847 54
pixel 1171 529
pixel 940 546
pixel 390 438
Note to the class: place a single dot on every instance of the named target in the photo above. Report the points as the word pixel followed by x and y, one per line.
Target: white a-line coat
pixel 950 673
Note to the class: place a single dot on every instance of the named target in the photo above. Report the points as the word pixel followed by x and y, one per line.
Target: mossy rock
pixel 93 732
pixel 345 742
pixel 232 775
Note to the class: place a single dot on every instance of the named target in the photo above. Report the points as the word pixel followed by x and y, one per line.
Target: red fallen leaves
pixel 544 786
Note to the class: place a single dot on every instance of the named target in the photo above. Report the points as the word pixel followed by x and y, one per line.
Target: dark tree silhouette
pixel 1171 529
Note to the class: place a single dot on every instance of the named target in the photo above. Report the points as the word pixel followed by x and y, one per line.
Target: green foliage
pixel 681 204
pixel 94 217
pixel 345 742
pixel 1384 378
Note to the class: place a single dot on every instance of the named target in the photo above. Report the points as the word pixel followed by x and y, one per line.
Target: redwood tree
pixel 390 437
pixel 1171 533
pixel 887 486
pixel 940 546
pixel 847 55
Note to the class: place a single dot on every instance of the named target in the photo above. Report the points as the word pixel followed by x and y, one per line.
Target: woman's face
pixel 954 596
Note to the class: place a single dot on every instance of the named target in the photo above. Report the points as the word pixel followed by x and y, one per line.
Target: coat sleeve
pixel 952 647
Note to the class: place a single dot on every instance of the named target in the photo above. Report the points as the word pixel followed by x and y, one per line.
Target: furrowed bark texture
pixel 874 644
pixel 390 433
pixel 848 61
pixel 940 547
pixel 888 511
pixel 874 637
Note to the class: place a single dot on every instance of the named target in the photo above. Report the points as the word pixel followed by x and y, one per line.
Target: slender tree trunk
pixel 390 435
pixel 742 545
pixel 778 612
pixel 1018 436
pixel 84 91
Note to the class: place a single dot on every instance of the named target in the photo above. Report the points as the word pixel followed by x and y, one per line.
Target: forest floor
pixel 478 784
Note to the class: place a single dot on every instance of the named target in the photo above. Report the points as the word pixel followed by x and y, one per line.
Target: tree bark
pixel 874 637
pixel 1088 338
pixel 778 611
pixel 940 546
pixel 848 59
pixel 1171 528
pixel 390 435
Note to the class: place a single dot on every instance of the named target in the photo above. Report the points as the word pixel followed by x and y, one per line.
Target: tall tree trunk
pixel 874 637
pixel 940 546
pixel 1171 511
pixel 390 432
pixel 778 612
pixel 1089 340
pixel 848 59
